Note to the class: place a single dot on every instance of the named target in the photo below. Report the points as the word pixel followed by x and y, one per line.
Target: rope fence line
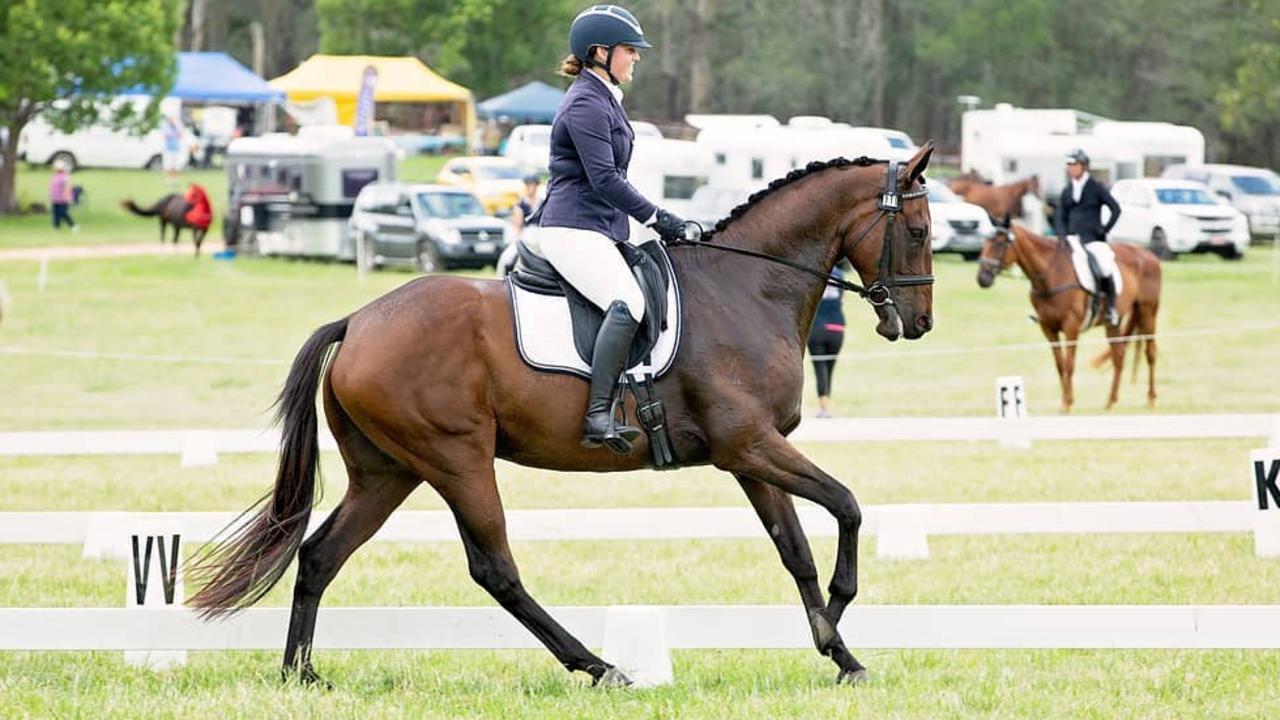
pixel 1098 340
pixel 924 352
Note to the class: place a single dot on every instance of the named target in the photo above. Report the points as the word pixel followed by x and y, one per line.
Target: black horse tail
pixel 145 212
pixel 248 561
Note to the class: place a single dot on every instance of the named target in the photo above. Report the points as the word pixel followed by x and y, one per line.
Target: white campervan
pixel 668 172
pixel 99 145
pixel 748 156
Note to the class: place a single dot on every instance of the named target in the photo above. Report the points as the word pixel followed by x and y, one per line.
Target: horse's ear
pixel 916 166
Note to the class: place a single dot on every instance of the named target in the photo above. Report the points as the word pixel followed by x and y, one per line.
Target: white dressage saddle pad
pixel 1106 257
pixel 544 334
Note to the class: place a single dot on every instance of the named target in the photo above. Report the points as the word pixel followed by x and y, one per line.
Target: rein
pixel 877 293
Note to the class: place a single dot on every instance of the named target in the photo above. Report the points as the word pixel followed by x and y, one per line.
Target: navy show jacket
pixel 1084 218
pixel 591 141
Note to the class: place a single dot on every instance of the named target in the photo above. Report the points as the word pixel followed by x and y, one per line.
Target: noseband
pixel 994 264
pixel 877 293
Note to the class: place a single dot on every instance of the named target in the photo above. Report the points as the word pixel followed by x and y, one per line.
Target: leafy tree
pixel 489 46
pixel 65 60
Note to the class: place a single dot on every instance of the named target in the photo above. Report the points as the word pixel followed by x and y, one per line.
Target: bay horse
pixel 1062 305
pixel 1002 202
pixel 183 211
pixel 427 386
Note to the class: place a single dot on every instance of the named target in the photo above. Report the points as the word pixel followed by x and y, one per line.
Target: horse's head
pixel 888 244
pixel 998 253
pixel 1033 186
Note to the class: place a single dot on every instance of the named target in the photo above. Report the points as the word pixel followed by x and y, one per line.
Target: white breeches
pixel 590 262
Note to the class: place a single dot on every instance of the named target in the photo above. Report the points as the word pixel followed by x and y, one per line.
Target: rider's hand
pixel 668 226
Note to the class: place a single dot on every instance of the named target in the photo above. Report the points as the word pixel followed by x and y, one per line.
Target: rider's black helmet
pixel 606 26
pixel 1078 156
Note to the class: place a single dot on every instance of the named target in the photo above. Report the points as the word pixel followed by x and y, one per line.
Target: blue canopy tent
pixel 216 77
pixel 532 103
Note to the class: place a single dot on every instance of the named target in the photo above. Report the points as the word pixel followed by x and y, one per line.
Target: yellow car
pixel 496 181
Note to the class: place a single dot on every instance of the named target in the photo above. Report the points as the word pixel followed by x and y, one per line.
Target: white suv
pixel 1251 190
pixel 958 226
pixel 1178 216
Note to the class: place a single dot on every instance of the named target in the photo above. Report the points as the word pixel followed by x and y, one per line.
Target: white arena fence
pixel 902 531
pixel 677 627
pixel 202 447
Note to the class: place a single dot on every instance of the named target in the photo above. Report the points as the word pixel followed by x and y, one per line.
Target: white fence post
pixel 1266 483
pixel 635 639
pixel 153 580
pixel 199 448
pixel 1011 409
pixel 902 532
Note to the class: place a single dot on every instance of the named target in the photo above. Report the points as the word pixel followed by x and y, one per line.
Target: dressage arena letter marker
pixel 154 580
pixel 1266 483
pixel 1011 406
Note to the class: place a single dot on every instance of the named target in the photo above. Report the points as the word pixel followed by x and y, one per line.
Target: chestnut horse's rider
pixel 589 198
pixel 1080 213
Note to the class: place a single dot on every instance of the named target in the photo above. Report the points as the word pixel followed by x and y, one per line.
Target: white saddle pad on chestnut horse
pixel 1103 254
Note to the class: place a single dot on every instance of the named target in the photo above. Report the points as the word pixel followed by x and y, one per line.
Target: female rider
pixel 589 198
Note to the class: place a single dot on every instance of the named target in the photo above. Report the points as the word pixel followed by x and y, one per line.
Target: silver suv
pixel 431 227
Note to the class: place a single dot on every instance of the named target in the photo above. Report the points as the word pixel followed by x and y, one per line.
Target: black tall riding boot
pixel 1108 287
pixel 608 360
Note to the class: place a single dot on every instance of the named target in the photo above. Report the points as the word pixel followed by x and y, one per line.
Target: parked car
pixel 958 226
pixel 431 227
pixel 497 181
pixel 1178 216
pixel 1253 191
pixel 529 145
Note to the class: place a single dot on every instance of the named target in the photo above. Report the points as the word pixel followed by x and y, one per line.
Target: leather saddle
pixel 650 266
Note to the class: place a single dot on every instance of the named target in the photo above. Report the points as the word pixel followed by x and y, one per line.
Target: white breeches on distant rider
pixel 591 263
pixel 1103 254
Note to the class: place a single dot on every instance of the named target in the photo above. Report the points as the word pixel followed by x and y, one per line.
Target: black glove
pixel 669 227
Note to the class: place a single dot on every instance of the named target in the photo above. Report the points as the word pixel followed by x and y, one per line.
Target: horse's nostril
pixel 924 322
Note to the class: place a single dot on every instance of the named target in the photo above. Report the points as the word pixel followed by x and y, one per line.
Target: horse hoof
pixel 613 678
pixel 853 678
pixel 306 676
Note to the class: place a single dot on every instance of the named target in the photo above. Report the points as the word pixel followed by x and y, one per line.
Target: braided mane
pixel 794 175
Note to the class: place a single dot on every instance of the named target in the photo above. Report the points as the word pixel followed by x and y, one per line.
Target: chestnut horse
pixel 427 386
pixel 1002 202
pixel 1062 306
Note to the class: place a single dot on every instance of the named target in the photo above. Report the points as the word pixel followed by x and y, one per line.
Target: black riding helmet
pixel 1078 156
pixel 605 26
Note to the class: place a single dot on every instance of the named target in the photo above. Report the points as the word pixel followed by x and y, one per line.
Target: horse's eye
pixel 919 233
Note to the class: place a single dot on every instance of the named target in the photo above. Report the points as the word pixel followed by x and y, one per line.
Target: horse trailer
pixel 292 195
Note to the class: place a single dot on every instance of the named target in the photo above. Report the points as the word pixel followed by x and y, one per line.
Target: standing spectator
pixel 825 340
pixel 60 196
pixel 525 206
pixel 172 157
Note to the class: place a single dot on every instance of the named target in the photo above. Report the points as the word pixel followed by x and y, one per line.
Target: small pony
pixel 190 210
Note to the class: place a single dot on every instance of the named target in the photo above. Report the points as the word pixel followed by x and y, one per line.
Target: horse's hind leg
pixel 778 513
pixel 1147 326
pixel 773 460
pixel 376 486
pixel 478 509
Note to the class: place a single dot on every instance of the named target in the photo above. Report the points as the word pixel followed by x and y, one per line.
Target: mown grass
pixel 102 220
pixel 262 310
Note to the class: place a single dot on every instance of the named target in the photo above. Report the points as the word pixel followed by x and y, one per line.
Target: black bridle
pixel 877 293
pixel 995 264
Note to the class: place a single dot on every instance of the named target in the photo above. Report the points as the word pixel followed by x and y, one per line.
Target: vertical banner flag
pixel 364 101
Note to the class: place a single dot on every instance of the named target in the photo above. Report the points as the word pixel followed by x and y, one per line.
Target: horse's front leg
pixel 778 513
pixel 773 460
pixel 1060 360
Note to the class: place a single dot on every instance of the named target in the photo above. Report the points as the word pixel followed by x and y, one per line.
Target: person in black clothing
pixel 825 340
pixel 1080 213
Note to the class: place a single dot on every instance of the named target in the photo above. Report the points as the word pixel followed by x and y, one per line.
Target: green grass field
pixel 230 329
pixel 104 222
